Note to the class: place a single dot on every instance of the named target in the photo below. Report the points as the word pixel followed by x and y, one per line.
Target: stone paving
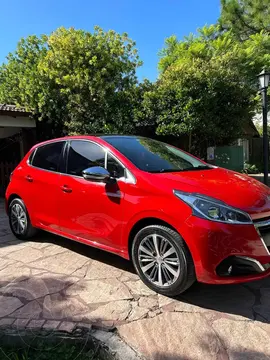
pixel 54 283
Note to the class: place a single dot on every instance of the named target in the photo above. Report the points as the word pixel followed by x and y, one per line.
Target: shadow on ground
pixel 85 250
pixel 234 354
pixel 244 300
pixel 44 298
pixel 249 300
pixel 48 298
pixel 8 239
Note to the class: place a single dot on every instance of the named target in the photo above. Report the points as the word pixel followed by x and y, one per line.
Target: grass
pixel 45 352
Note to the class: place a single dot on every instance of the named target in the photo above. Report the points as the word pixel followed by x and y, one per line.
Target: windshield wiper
pixel 164 171
pixel 192 168
pixel 200 167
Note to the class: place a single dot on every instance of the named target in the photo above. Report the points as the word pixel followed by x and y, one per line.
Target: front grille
pixel 263 227
pixel 263 223
pixel 266 238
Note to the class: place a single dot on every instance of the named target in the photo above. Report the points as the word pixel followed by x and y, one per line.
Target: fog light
pixel 230 270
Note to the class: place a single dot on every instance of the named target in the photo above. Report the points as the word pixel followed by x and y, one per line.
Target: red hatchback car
pixel 178 218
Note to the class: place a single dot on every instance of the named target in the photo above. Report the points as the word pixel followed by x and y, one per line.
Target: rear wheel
pixel 162 260
pixel 19 220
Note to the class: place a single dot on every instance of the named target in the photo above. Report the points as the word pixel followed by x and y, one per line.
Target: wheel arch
pixel 10 198
pixel 140 224
pixel 181 281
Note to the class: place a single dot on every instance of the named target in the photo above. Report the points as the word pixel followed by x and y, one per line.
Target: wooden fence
pixel 5 171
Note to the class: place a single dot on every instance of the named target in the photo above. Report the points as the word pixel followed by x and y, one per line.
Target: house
pixel 250 137
pixel 17 135
pixel 256 157
pixel 247 149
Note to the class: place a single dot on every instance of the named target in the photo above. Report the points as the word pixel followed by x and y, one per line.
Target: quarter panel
pixel 41 196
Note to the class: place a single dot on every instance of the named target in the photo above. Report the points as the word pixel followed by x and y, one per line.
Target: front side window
pixel 83 155
pixel 114 167
pixel 47 157
pixel 154 156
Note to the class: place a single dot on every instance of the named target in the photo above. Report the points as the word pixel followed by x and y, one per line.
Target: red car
pixel 178 218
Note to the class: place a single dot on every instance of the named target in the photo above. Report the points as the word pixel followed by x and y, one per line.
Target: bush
pixel 250 169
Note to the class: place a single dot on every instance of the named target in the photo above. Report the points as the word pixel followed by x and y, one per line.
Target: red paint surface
pixel 103 215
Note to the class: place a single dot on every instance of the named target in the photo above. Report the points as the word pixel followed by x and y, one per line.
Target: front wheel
pixel 19 220
pixel 162 260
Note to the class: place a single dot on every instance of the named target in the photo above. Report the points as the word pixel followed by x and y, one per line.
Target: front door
pixel 91 210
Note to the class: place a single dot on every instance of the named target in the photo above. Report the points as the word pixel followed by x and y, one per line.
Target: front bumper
pixel 215 246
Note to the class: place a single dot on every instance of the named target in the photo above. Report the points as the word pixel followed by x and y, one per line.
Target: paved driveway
pixel 55 283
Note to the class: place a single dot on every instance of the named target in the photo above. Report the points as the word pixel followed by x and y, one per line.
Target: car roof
pixel 86 137
pixel 118 136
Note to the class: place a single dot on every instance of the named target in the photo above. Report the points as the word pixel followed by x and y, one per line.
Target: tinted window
pixel 154 156
pixel 48 156
pixel 114 167
pixel 82 155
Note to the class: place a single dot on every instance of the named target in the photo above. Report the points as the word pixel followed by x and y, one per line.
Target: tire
pixel 24 230
pixel 169 283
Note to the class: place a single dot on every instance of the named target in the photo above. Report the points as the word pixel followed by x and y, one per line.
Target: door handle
pixel 66 189
pixel 29 178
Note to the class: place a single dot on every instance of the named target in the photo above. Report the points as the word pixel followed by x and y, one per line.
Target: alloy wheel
pixel 18 219
pixel 159 260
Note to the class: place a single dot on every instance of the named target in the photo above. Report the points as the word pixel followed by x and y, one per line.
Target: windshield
pixel 154 156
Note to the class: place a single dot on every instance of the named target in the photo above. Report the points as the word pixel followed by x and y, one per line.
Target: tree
pixel 145 108
pixel 204 101
pixel 249 56
pixel 207 86
pixel 82 82
pixel 19 77
pixel 245 17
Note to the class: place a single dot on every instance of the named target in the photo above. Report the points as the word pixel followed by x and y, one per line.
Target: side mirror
pixel 96 173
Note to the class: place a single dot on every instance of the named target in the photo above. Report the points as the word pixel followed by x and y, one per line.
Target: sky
pixel 148 22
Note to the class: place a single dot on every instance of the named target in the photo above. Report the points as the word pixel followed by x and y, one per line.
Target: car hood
pixel 235 189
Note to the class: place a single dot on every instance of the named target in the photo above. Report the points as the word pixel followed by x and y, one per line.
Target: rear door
pixel 41 188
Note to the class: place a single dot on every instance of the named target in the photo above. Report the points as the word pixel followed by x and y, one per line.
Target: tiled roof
pixel 12 108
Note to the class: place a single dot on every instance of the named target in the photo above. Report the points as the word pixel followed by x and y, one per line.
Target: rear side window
pixel 47 157
pixel 83 155
pixel 31 157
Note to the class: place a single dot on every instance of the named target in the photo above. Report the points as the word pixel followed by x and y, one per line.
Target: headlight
pixel 213 209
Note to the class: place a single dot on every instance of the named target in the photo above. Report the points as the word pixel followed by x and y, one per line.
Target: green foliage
pixel 43 351
pixel 249 56
pixel 81 82
pixel 145 104
pixel 84 82
pixel 20 81
pixel 207 86
pixel 207 102
pixel 250 169
pixel 245 17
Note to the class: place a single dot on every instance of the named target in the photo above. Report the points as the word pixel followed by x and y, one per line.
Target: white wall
pixel 18 121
